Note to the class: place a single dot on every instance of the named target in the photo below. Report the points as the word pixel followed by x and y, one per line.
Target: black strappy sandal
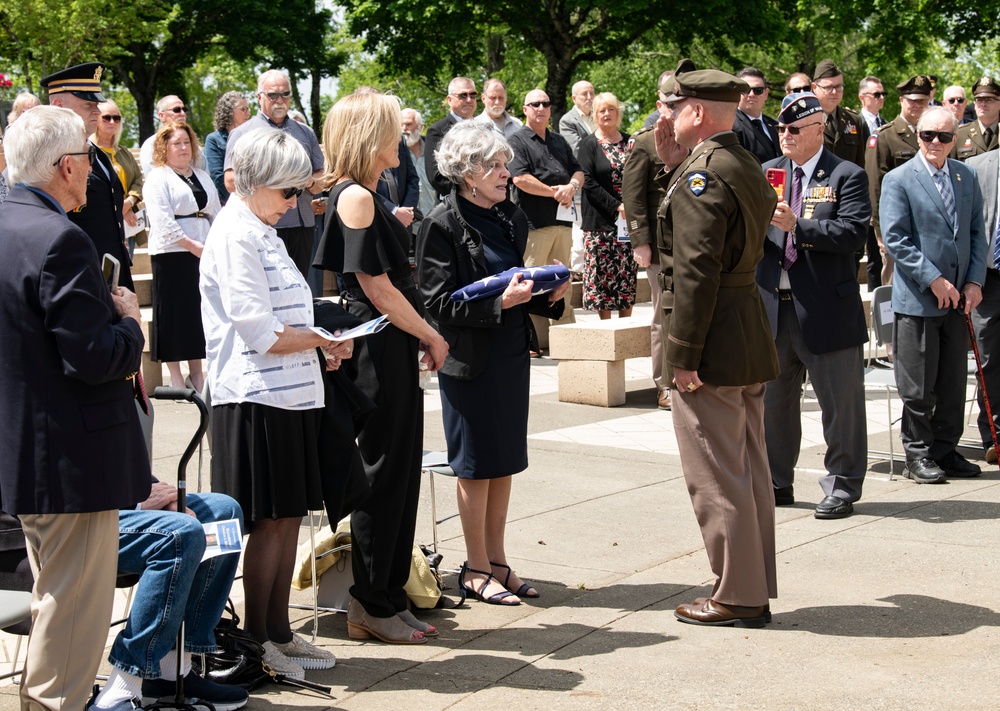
pixel 500 598
pixel 523 591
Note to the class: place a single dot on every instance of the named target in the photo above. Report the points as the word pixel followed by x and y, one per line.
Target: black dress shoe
pixel 834 507
pixel 924 471
pixel 784 495
pixel 954 464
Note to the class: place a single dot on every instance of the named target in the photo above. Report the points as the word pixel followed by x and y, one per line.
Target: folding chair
pixel 436 463
pixel 880 334
pixel 15 607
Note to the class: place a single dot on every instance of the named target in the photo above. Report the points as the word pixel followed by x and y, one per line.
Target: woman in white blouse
pixel 267 388
pixel 181 202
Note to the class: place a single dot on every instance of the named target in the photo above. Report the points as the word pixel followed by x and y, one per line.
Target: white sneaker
pixel 309 656
pixel 281 664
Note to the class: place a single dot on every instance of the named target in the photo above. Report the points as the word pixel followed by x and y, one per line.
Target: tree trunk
pixel 557 83
pixel 494 54
pixel 139 78
pixel 314 104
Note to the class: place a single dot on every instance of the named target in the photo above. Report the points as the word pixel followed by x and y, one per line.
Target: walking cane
pixel 982 380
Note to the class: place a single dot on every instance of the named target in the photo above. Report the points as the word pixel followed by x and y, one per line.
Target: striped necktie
pixel 792 254
pixel 944 187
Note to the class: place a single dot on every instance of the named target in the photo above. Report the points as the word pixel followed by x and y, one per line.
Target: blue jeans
pixel 165 549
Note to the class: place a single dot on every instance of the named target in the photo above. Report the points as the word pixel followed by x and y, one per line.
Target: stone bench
pixel 592 358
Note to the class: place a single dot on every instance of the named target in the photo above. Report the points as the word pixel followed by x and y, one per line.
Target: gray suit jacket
pixel 574 129
pixel 986 166
pixel 920 239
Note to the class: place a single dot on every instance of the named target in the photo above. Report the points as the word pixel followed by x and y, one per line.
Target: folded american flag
pixel 547 278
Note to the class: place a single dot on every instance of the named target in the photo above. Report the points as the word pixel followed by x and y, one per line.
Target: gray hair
pixel 268 158
pixel 271 74
pixel 225 109
pixel 466 148
pixel 455 84
pixel 418 118
pixel 931 112
pixel 37 140
pixel 161 105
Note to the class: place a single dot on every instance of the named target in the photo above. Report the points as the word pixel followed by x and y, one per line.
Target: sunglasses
pixel 943 136
pixel 955 100
pixel 755 90
pixel 539 104
pixel 177 110
pixel 797 89
pixel 466 95
pixel 275 95
pixel 878 94
pixel 108 118
pixel 289 192
pixel 91 153
pixel 796 130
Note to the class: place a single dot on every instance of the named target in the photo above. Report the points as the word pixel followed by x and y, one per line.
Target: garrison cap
pixel 708 84
pixel 986 86
pixel 915 87
pixel 798 106
pixel 83 80
pixel 826 69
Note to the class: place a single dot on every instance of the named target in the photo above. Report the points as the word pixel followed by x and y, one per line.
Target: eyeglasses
pixel 177 110
pixel 877 94
pixel 539 104
pixel 466 95
pixel 955 100
pixel 755 90
pixel 108 118
pixel 985 99
pixel 835 89
pixel 796 130
pixel 943 136
pixel 289 192
pixel 275 95
pixel 243 108
pixel 796 89
pixel 91 153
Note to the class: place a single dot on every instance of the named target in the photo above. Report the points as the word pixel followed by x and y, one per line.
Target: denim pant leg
pixel 214 577
pixel 165 549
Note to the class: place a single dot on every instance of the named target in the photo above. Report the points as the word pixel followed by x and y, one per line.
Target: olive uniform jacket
pixel 845 135
pixel 972 142
pixel 891 146
pixel 714 220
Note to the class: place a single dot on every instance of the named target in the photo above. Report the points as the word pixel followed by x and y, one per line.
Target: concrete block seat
pixel 592 358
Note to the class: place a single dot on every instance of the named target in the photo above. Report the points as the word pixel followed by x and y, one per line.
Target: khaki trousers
pixel 720 435
pixel 544 245
pixel 74 558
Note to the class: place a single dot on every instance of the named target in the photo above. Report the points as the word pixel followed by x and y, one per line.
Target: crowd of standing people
pixel 750 230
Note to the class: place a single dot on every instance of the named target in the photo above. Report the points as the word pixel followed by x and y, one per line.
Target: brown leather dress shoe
pixel 715 614
pixel 663 400
pixel 699 601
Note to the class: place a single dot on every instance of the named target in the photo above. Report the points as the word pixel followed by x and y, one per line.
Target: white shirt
pixel 507 127
pixel 166 196
pixel 250 290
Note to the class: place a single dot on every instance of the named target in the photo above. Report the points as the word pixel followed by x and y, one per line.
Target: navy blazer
pixel 434 135
pixel 101 218
pixel 922 242
pixel 71 440
pixel 752 141
pixel 407 180
pixel 824 279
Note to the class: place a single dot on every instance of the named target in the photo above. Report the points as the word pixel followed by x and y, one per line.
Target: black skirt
pixel 486 418
pixel 267 459
pixel 176 333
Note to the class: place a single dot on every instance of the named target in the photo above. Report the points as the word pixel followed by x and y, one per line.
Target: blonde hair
pixel 357 129
pixel 606 98
pixel 163 135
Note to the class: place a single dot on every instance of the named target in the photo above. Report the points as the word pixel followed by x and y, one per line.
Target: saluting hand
pixel 667 148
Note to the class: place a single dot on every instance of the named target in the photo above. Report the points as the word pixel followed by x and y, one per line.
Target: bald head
pixel 537 111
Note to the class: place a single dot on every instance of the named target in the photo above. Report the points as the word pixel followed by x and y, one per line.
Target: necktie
pixel 879 121
pixel 996 247
pixel 944 188
pixel 792 254
pixel 988 136
pixel 139 391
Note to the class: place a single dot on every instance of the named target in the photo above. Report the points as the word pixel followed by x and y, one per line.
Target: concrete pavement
pixel 892 608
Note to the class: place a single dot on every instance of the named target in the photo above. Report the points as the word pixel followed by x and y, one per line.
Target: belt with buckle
pixel 784 294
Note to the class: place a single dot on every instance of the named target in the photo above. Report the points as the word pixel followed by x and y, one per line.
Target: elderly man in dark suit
pixel 719 349
pixel 986 317
pixel 932 226
pixel 755 131
pixel 810 289
pixel 79 90
pixel 71 447
pixel 462 100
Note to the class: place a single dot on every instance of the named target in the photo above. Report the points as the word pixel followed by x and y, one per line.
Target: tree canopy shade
pixel 422 37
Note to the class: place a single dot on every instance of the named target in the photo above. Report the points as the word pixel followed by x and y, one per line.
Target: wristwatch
pixel 576 185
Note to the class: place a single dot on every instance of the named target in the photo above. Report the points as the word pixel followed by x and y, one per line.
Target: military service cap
pixel 915 87
pixel 798 106
pixel 986 86
pixel 708 84
pixel 83 81
pixel 826 69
